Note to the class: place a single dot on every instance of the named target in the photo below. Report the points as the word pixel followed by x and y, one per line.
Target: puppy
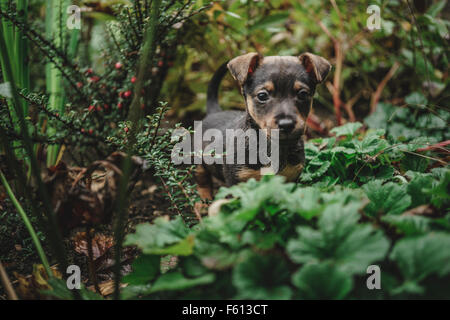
pixel 278 93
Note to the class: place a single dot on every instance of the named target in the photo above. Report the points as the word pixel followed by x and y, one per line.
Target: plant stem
pixel 26 221
pixel 55 28
pixel 145 62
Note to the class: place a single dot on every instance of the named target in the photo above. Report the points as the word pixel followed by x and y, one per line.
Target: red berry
pixel 133 79
pixel 79 85
pixel 121 94
pixel 91 108
pixel 57 115
pixel 126 129
pixel 91 131
pixel 89 71
pixel 160 63
pixel 94 79
pixel 99 108
pixel 120 105
pixel 127 94
pixel 118 65
pixel 82 130
pixel 143 106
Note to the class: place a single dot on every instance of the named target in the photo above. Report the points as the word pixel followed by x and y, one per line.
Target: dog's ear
pixel 320 67
pixel 243 66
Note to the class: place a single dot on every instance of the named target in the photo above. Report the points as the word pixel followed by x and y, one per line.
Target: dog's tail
pixel 212 99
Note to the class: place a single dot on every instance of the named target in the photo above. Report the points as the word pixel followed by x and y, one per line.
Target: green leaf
pixel 348 129
pixel 268 282
pixel 408 224
pixel 322 281
pixel 416 98
pixel 389 198
pixel 380 118
pixel 60 291
pixel 440 195
pixel 273 20
pixel 151 238
pixel 305 202
pixel 339 239
pixel 419 257
pixel 417 189
pixel 145 269
pixel 183 248
pixel 173 281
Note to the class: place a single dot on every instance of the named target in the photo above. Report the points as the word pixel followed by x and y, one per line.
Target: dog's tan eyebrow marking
pixel 268 85
pixel 300 85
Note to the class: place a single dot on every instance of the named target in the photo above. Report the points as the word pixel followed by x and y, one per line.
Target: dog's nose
pixel 286 124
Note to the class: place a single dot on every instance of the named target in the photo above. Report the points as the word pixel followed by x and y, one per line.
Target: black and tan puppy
pixel 278 92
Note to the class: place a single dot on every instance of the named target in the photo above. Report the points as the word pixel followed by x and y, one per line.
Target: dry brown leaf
pixel 422 210
pixel 30 286
pixel 86 196
pixel 100 244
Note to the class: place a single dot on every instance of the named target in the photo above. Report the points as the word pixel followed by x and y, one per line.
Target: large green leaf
pixel 262 277
pixel 419 257
pixel 388 198
pixel 322 281
pixel 340 239
pixel 153 238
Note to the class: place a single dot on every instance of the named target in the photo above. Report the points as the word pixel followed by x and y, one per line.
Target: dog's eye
pixel 302 94
pixel 263 96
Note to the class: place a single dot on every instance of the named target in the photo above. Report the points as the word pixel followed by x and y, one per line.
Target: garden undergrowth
pixel 360 201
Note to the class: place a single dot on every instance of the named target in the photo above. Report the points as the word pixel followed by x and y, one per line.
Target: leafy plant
pixel 309 242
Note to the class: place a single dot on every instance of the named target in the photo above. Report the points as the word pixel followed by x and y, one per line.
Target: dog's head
pixel 278 90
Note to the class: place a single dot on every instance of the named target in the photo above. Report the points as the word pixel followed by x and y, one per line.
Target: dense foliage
pixel 370 204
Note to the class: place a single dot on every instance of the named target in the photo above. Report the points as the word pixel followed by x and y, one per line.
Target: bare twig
pixel 7 284
pixel 376 95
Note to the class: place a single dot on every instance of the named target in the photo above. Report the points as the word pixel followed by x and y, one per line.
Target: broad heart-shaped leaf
pixel 322 281
pixel 153 237
pixel 262 277
pixel 419 257
pixel 348 129
pixel 389 198
pixel 339 239
pixel 145 269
